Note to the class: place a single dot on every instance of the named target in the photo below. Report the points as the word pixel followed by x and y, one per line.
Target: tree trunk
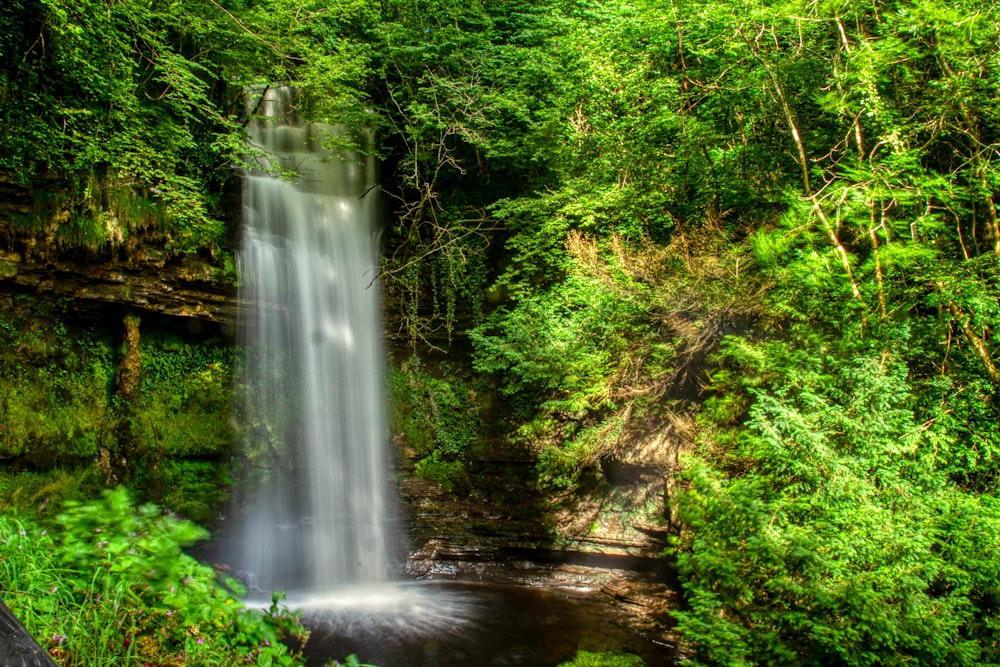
pixel 803 160
pixel 128 378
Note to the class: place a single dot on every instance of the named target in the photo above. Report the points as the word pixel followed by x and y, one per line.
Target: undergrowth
pixel 605 659
pixel 588 363
pixel 61 412
pixel 106 583
pixel 438 418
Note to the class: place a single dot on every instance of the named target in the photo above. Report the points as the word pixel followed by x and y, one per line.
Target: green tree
pixel 851 438
pixel 125 115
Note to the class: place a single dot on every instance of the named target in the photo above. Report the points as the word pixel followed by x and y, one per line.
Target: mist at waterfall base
pixel 313 504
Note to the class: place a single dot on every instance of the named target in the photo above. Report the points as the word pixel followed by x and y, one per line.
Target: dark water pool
pixel 469 625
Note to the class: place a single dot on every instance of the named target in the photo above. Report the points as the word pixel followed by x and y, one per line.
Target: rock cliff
pixel 132 273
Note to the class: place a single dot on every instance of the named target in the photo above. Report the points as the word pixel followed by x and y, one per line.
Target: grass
pixel 605 659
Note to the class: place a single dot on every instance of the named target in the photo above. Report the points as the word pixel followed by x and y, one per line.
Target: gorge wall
pixel 499 525
pixel 133 274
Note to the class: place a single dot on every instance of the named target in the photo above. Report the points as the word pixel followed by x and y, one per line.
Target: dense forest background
pixel 771 225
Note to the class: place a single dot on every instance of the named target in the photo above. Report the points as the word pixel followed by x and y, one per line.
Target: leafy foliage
pixel 828 506
pixel 125 104
pixel 586 362
pixel 107 584
pixel 438 418
pixel 829 532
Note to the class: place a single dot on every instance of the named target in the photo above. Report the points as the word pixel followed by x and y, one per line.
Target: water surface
pixel 471 625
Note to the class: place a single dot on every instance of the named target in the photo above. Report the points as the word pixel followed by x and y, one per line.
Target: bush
pixel 828 529
pixel 438 417
pixel 108 584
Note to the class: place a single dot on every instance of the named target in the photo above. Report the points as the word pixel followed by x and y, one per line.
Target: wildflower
pixel 170 612
pixel 59 639
pixel 45 532
pixel 23 532
pixel 200 640
pixel 55 588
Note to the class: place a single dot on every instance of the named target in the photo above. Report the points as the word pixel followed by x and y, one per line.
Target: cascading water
pixel 311 502
pixel 312 371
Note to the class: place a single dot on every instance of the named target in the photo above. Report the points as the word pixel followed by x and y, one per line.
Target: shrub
pixel 828 530
pixel 438 417
pixel 107 584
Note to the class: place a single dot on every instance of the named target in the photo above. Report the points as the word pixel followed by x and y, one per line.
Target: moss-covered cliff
pixel 93 398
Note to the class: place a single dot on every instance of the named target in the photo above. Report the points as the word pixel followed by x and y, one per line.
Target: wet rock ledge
pixel 186 286
pixel 503 531
pixel 133 273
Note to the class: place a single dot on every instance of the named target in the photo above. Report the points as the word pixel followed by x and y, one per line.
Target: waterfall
pixel 311 373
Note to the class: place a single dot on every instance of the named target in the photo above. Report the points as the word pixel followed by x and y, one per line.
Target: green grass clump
pixel 605 659
pixel 30 491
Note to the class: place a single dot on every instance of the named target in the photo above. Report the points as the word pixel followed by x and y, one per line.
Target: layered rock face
pixel 608 537
pixel 131 273
pixel 187 287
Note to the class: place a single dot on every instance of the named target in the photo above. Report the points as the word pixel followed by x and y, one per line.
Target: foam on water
pixel 404 611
